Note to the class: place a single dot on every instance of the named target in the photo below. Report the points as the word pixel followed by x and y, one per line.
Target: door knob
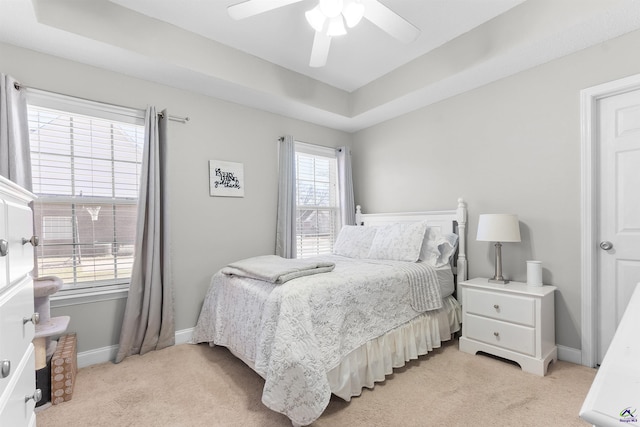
pixel 606 245
pixel 4 247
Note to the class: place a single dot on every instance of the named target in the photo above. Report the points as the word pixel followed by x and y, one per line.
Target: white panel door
pixel 619 210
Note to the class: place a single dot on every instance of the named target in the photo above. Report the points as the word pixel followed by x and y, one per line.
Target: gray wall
pixel 208 232
pixel 512 146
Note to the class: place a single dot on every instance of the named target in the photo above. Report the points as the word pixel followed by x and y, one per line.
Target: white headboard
pixel 452 221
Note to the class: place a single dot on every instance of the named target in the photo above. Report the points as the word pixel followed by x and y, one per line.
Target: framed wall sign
pixel 226 179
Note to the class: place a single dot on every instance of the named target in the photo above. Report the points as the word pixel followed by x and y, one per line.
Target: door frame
pixel 589 118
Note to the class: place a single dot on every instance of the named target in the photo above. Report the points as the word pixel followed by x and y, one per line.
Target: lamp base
pixel 498 277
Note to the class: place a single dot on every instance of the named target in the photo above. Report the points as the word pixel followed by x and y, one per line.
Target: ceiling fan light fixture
pixel 331 8
pixel 316 18
pixel 336 27
pixel 353 12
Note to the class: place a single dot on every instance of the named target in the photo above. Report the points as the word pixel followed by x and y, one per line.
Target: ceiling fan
pixel 328 17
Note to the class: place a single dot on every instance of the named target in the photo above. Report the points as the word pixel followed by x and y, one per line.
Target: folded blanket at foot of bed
pixel 275 269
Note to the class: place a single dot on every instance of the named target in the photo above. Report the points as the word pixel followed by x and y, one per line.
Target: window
pixel 86 160
pixel 318 212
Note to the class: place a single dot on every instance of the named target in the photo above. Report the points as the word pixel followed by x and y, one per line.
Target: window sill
pixel 66 298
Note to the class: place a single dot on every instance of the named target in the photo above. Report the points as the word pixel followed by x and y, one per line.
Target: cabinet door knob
pixel 5 368
pixel 4 247
pixel 496 306
pixel 496 334
pixel 37 396
pixel 34 240
pixel 35 319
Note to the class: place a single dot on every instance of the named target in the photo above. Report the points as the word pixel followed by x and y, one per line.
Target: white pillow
pixel 354 241
pixel 438 248
pixel 447 248
pixel 399 242
pixel 430 253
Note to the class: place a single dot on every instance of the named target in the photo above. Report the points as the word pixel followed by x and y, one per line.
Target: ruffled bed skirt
pixel 371 362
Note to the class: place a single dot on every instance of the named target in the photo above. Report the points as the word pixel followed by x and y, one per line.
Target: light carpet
pixel 196 385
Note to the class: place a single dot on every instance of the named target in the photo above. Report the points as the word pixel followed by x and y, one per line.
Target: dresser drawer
pixel 509 308
pixel 15 410
pixel 16 303
pixel 500 334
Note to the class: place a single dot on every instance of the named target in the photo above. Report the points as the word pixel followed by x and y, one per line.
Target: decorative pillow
pixel 438 248
pixel 398 242
pixel 354 241
pixel 447 248
pixel 430 253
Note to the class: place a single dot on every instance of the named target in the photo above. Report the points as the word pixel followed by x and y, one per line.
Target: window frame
pixel 96 290
pixel 322 152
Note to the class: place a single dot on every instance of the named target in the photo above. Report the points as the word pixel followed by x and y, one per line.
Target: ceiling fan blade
pixel 390 21
pixel 254 7
pixel 320 50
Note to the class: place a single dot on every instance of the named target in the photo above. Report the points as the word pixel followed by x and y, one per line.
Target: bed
pixel 341 322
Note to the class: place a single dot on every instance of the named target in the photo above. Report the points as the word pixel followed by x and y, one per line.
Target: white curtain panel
pixel 345 184
pixel 286 217
pixel 148 322
pixel 15 159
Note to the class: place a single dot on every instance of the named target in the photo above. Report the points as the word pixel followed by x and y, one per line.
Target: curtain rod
pixel 313 145
pixel 175 118
pixel 19 86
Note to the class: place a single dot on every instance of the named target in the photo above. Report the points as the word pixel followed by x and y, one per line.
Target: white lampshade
pixel 353 13
pixel 316 18
pixel 331 8
pixel 498 228
pixel 336 27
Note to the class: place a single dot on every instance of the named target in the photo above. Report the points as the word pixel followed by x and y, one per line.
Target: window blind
pixel 317 222
pixel 86 172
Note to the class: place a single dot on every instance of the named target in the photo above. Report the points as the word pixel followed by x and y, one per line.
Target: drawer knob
pixel 496 334
pixel 4 247
pixel 37 396
pixel 496 306
pixel 35 319
pixel 34 240
pixel 5 368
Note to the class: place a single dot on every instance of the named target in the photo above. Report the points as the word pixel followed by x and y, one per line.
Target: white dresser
pixel 18 394
pixel 512 321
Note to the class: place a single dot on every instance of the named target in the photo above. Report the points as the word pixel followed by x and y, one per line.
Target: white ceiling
pixel 284 37
pixel 262 61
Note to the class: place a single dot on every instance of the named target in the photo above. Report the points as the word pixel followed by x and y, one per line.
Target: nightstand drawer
pixel 500 334
pixel 509 308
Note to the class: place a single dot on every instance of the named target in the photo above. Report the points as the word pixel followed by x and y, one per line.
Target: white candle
pixel 534 273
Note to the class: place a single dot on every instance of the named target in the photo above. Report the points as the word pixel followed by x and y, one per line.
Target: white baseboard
pixel 569 354
pixel 184 336
pixel 108 354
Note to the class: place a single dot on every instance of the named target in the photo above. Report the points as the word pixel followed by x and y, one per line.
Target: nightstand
pixel 513 321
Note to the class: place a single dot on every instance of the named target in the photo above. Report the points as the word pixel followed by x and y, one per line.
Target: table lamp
pixel 498 228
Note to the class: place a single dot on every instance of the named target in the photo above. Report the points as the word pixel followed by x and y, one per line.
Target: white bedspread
pixel 275 269
pixel 296 332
